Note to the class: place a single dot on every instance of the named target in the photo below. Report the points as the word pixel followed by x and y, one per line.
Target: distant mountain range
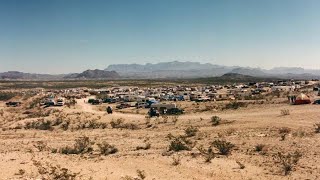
pixel 178 69
pixel 93 74
pixel 88 74
pixel 175 69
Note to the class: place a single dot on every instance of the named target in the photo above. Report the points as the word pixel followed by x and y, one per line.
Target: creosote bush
pixel 176 160
pixel 285 112
pixel 179 144
pixel 259 147
pixel 208 154
pixel 284 131
pixel 82 145
pixel 223 146
pixel 119 123
pixel 215 120
pixel 288 161
pixel 50 171
pixel 106 149
pixel 235 105
pixel 191 131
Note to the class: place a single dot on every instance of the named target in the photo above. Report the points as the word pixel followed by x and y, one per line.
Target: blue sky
pixel 59 36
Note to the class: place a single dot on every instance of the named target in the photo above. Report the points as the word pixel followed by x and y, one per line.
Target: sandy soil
pixel 245 128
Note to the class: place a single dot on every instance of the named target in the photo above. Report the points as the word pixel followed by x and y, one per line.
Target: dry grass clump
pixel 41 146
pixel 106 149
pixel 208 153
pixel 234 105
pixel 5 96
pixel 179 143
pixel 288 161
pixel 259 147
pixel 223 146
pixel 284 131
pixel 50 171
pixel 285 112
pixel 119 123
pixel 317 127
pixel 175 119
pixel 215 120
pixel 91 124
pixel 82 145
pixel 40 124
pixel 191 131
pixel 140 176
pixel 176 160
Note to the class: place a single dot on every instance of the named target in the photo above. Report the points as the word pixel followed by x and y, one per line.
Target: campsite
pixel 266 130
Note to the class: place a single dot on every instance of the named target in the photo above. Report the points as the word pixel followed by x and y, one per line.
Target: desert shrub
pixel 144 147
pixel 140 176
pixel 34 103
pixel 5 96
pixel 41 146
pixel 235 105
pixel 191 131
pixel 259 147
pixel 119 123
pixel 223 146
pixel 49 171
pixel 317 128
pixel 179 144
pixel 284 131
pixel 285 112
pixel 82 145
pixel 65 125
pixel 288 161
pixel 176 160
pixel 208 154
pixel 106 149
pixel 215 120
pixel 20 172
pixel 116 123
pixel 91 124
pixel 165 119
pixel 175 119
pixel 40 124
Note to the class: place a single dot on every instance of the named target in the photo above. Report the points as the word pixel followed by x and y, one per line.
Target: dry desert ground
pixel 260 141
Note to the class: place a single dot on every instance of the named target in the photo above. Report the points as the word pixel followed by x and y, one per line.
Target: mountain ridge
pixel 174 69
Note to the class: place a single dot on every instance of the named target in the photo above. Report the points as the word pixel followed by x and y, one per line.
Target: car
pixel 13 104
pixel 316 101
pixel 123 105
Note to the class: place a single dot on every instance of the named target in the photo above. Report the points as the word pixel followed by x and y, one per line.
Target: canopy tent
pixel 302 99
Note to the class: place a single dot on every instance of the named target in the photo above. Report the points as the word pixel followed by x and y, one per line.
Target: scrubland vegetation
pixel 212 140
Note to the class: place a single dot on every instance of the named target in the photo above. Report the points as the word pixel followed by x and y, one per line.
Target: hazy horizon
pixel 56 37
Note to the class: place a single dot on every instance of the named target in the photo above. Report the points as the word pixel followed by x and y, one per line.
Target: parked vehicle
pixel 141 105
pixel 170 109
pixel 153 112
pixel 123 105
pixel 109 100
pixel 94 101
pixel 60 102
pixel 13 104
pixel 316 101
